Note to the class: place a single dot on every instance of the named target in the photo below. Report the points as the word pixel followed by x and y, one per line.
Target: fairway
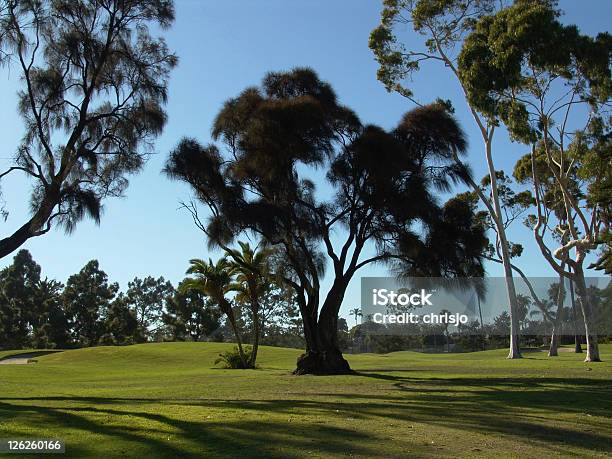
pixel 169 400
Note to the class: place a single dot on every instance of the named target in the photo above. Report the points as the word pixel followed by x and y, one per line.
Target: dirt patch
pixel 23 358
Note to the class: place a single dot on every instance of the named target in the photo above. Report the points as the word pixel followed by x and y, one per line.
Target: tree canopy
pixel 94 88
pixel 383 193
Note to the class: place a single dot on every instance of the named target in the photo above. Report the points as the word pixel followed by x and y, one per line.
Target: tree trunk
pixel 232 319
pixel 553 350
pixel 484 346
pixel 592 354
pixel 34 226
pixel 514 352
pixel 323 355
pixel 577 346
pixel 256 329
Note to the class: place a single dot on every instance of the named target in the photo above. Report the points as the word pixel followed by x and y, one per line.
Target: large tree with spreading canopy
pixel 376 203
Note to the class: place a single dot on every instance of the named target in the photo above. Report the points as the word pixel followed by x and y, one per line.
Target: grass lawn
pixel 168 400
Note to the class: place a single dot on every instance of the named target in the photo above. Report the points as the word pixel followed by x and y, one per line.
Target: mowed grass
pixel 169 400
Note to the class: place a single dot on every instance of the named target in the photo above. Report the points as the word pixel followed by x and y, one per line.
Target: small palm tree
pixel 251 269
pixel 214 280
pixel 356 313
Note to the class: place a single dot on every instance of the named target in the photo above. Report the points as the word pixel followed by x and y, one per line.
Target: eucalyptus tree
pixel 94 84
pixel 444 26
pixel 551 87
pixel 380 194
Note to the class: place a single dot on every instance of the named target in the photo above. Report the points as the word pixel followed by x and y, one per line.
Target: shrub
pixel 231 359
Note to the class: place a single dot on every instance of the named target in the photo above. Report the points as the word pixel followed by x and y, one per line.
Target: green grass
pixel 168 400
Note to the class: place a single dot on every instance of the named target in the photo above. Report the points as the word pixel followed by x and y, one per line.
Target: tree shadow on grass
pixel 246 439
pixel 514 408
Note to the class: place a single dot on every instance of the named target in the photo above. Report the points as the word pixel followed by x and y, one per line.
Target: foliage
pixel 146 297
pixel 20 284
pixel 550 86
pixel 87 299
pixel 190 316
pixel 382 182
pixel 215 281
pixel 121 324
pixel 94 86
pixel 232 359
pixel 444 26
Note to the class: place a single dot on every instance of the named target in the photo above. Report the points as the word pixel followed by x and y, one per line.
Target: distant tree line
pixel 90 310
pixel 539 324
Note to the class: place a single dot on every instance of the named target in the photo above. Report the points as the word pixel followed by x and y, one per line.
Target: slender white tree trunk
pixel 514 352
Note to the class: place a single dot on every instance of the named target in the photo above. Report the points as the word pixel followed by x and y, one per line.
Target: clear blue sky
pixel 224 46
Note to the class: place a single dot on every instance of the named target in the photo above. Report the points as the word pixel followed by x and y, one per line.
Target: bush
pixel 231 359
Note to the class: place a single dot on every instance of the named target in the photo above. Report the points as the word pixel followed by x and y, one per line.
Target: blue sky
pixel 225 46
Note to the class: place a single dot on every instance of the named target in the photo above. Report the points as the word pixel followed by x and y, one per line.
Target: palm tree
pixel 252 271
pixel 547 312
pixel 357 313
pixel 214 280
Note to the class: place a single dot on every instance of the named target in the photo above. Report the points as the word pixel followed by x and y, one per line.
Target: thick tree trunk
pixel 592 354
pixel 323 355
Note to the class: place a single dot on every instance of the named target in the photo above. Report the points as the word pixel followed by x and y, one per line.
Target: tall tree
pixel 94 86
pixel 147 297
pixel 87 298
pixel 551 88
pixel 120 325
pixel 382 197
pixel 444 25
pixel 19 284
pixel 50 328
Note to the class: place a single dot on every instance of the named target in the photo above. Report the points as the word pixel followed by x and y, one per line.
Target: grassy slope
pixel 167 400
